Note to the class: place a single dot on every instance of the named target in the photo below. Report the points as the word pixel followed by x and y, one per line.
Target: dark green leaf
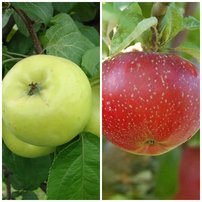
pixel 191 23
pixel 65 40
pixel 20 44
pixel 84 11
pixel 171 24
pixel 16 194
pixel 6 16
pixel 27 173
pixel 75 171
pixel 91 62
pixel 65 7
pixel 89 32
pixel 38 12
pixel 29 195
pixel 166 177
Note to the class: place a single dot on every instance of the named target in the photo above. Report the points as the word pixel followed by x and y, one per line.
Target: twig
pixel 30 28
pixel 158 10
pixel 155 44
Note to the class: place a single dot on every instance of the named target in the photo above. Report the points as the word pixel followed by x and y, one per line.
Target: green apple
pixel 22 148
pixel 93 125
pixel 47 100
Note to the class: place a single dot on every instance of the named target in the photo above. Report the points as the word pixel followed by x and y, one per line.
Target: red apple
pixel 150 101
pixel 189 175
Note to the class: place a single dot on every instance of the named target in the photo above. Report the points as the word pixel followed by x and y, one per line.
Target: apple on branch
pixel 46 101
pixel 150 101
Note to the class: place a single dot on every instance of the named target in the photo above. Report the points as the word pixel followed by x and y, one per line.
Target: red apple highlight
pixel 150 101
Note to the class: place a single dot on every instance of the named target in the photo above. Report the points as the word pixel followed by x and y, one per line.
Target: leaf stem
pixel 29 24
pixel 11 60
pixel 17 54
pixel 155 43
pixel 9 56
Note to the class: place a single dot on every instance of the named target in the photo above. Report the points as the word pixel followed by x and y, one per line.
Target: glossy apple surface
pixel 46 100
pixel 24 149
pixel 93 125
pixel 150 101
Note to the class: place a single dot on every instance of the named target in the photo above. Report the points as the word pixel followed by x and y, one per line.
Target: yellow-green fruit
pixel 22 148
pixel 93 125
pixel 46 100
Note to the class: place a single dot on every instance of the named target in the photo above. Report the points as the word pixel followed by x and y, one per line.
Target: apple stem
pixel 150 142
pixel 155 44
pixel 33 88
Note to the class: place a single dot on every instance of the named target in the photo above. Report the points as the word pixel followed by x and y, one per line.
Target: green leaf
pixel 89 32
pixel 6 16
pixel 166 178
pixel 15 194
pixel 29 195
pixel 91 62
pixel 75 171
pixel 38 12
pixel 28 174
pixel 110 19
pixel 121 5
pixel 133 9
pixel 195 140
pixel 191 23
pixel 22 27
pixel 59 28
pixel 171 24
pixel 193 51
pixel 124 37
pixel 20 44
pixel 65 7
pixel 84 11
pixel 65 40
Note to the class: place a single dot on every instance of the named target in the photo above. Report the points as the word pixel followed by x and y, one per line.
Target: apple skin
pixel 56 111
pixel 189 175
pixel 150 101
pixel 93 125
pixel 23 149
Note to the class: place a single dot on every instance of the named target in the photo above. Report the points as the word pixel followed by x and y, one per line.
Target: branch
pixel 29 24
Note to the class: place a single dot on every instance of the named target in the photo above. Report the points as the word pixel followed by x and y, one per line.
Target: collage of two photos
pixel 100 100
